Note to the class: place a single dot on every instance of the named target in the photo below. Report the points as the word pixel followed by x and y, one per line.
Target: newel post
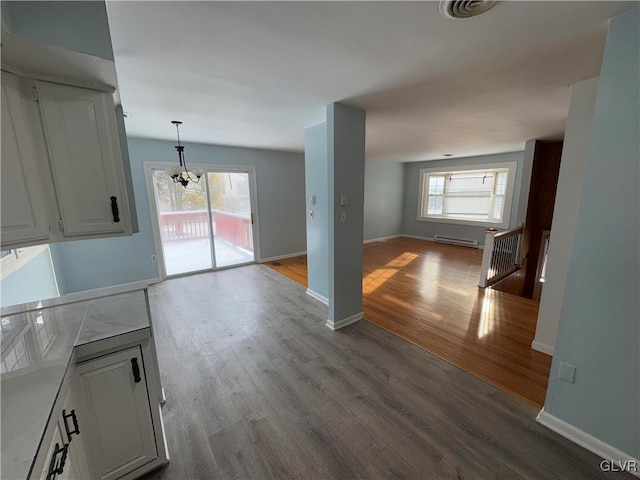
pixel 486 256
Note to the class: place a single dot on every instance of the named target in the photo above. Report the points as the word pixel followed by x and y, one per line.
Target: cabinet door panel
pixel 119 428
pixel 56 440
pixel 24 209
pixel 77 463
pixel 80 131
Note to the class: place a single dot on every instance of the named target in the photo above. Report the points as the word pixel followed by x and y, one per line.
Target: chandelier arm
pixel 186 170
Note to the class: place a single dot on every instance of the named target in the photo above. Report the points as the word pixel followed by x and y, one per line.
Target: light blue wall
pixel 33 281
pixel 316 181
pixel 412 226
pixel 87 264
pixel 383 197
pixel 126 161
pixel 345 156
pixel 4 16
pixel 599 330
pixel 78 26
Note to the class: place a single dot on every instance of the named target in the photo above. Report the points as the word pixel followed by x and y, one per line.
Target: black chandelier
pixel 180 174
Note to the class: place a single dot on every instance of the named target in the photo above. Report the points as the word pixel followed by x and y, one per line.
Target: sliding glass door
pixel 230 204
pixel 206 225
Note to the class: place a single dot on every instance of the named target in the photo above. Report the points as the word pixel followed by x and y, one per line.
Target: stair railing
pixel 501 255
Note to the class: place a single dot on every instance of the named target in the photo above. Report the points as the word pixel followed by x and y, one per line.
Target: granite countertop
pixel 37 349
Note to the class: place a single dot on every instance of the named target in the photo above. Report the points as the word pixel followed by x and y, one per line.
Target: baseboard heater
pixel 462 242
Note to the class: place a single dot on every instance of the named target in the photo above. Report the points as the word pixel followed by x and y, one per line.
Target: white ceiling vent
pixel 465 8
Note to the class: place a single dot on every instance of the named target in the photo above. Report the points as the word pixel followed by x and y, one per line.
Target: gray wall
pixel 599 330
pixel 412 226
pixel 78 26
pixel 87 264
pixel 33 281
pixel 316 180
pixel 345 157
pixel 383 197
pixel 565 212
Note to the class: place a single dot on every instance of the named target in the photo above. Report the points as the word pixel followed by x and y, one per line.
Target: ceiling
pixel 255 74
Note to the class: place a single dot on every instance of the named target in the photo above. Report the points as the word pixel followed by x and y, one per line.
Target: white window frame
pixel 508 196
pixel 18 258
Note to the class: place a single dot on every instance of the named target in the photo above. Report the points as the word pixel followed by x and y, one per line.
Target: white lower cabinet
pixel 65 457
pixel 107 422
pixel 117 424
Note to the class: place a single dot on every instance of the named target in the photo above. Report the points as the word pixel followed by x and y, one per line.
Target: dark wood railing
pixel 194 224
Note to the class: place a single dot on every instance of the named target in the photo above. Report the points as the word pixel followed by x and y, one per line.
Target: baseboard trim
pixel 318 297
pixel 345 321
pixel 430 239
pixel 541 347
pixel 586 440
pixel 282 257
pixel 382 239
pixel 417 237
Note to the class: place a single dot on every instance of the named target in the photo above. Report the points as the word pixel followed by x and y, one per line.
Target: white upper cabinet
pixel 62 169
pixel 82 140
pixel 24 203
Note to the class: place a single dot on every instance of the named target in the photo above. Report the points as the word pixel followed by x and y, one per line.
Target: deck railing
pixel 501 255
pixel 234 228
pixel 189 225
pixel 194 224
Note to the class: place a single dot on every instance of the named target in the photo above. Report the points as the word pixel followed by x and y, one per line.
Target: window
pixel 13 260
pixel 476 195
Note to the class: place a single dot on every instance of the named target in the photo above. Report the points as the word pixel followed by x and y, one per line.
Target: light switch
pixel 344 199
pixel 312 199
pixel 310 214
pixel 567 372
pixel 343 216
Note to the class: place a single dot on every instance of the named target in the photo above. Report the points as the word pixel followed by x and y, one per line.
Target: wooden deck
pixel 427 294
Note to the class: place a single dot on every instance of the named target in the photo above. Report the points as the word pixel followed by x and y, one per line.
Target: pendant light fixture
pixel 181 174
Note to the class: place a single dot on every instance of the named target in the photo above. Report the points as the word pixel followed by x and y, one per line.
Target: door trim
pixel 149 167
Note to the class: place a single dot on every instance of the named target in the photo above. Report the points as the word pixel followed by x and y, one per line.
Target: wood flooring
pixel 258 387
pixel 427 293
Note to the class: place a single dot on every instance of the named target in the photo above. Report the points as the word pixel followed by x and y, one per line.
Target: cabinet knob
pixel 136 370
pixel 114 209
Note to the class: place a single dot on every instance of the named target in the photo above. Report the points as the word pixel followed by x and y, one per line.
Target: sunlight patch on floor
pixel 488 320
pixel 376 278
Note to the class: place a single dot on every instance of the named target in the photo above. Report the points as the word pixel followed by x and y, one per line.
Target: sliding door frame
pixel 151 167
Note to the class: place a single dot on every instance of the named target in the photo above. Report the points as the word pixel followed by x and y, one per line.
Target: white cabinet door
pixel 53 456
pixel 80 130
pixel 24 205
pixel 118 428
pixel 71 427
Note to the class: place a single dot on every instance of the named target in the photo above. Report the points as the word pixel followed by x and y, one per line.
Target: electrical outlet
pixel 153 258
pixel 567 372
